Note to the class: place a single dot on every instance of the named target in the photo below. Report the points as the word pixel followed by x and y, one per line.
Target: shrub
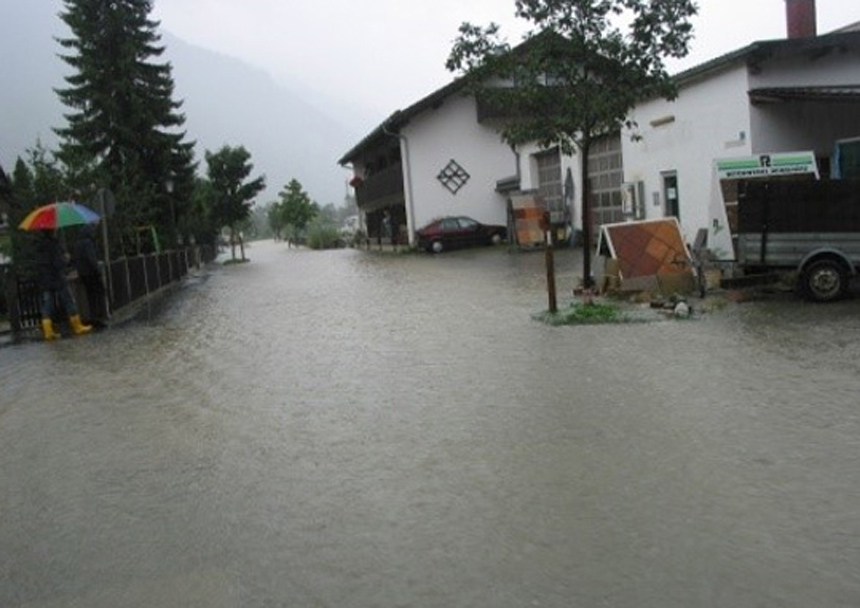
pixel 321 236
pixel 580 313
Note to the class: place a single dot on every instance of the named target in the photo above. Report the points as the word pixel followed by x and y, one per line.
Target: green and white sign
pixel 767 165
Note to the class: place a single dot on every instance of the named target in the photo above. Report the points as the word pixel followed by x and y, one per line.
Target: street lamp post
pixel 106 207
pixel 169 185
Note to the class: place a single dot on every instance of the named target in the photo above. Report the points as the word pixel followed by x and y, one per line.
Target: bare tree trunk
pixel 233 243
pixel 587 282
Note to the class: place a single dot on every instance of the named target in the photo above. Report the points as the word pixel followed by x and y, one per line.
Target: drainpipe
pixel 517 162
pixel 407 163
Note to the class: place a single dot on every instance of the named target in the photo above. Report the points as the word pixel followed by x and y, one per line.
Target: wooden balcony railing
pixel 380 188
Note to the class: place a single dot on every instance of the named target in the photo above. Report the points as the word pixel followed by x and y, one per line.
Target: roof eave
pixel 391 126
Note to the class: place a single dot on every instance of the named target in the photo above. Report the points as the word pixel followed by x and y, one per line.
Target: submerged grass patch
pixel 231 262
pixel 580 313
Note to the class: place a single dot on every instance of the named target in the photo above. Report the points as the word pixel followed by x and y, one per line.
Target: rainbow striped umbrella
pixel 58 215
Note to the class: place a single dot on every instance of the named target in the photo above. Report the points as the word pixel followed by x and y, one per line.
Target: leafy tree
pixel 199 219
pixel 123 127
pixel 296 209
pixel 578 73
pixel 275 220
pixel 233 196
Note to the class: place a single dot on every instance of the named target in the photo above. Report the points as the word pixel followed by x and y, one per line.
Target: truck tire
pixel 824 280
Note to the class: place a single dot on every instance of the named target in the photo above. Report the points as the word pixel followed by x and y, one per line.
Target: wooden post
pixel 549 252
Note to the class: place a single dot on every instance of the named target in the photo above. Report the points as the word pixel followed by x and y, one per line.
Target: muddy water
pixel 353 429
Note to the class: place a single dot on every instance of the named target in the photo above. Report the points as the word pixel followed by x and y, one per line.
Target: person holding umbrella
pixel 51 261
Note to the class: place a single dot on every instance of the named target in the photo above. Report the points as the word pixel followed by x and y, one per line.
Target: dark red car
pixel 455 232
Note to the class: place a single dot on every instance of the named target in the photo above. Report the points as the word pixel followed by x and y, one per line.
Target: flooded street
pixel 345 428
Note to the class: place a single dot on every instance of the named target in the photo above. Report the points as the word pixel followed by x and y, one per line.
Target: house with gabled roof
pixel 788 97
pixel 434 158
pixel 443 156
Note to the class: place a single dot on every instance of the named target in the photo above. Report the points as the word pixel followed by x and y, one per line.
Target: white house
pixel 442 156
pixel 797 94
pixel 432 159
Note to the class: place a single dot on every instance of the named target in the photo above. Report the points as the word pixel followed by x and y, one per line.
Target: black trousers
pixel 95 289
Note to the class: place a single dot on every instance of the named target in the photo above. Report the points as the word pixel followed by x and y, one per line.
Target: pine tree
pixel 124 129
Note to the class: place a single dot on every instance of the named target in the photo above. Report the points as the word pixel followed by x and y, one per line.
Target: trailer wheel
pixel 824 280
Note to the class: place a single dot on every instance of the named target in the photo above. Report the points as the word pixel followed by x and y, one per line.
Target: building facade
pixel 799 94
pixel 443 156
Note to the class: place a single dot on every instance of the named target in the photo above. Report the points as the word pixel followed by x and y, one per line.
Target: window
pixel 467 223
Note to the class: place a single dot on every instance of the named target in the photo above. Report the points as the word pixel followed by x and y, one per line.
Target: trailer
pixel 807 231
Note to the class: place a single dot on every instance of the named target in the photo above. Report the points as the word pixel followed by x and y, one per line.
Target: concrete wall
pixel 784 127
pixel 807 69
pixel 803 126
pixel 709 120
pixel 432 140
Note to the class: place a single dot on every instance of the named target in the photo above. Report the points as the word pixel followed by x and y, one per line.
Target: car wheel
pixel 824 280
pixel 496 239
pixel 437 247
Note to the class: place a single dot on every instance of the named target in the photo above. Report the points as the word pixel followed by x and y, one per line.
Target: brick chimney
pixel 800 17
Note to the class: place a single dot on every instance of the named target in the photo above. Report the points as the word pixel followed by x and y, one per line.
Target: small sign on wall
pixel 767 165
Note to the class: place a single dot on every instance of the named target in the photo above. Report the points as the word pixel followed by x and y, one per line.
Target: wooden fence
pixel 127 281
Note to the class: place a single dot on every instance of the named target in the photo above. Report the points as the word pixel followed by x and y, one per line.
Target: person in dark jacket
pixel 51 263
pixel 87 265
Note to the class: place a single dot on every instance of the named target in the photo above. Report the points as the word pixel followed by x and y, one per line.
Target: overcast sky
pixel 386 54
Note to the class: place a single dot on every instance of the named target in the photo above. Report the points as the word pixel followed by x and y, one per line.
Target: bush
pixel 324 237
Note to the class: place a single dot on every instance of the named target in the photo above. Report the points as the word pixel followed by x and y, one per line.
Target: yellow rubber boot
pixel 79 328
pixel 48 330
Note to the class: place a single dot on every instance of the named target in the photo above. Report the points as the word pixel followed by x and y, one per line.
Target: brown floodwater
pixel 349 428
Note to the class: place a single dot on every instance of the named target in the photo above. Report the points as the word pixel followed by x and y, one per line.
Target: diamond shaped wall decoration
pixel 453 177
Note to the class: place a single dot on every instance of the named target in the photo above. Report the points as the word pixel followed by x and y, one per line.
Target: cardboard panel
pixel 650 253
pixel 528 211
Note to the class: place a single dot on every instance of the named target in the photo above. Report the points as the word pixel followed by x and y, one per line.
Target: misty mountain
pixel 225 102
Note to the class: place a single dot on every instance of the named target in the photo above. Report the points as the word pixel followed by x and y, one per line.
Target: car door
pixel 469 232
pixel 449 229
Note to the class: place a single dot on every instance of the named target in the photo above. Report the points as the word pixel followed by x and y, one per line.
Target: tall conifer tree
pixel 124 128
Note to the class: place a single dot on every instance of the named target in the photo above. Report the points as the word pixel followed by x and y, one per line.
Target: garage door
pixel 606 172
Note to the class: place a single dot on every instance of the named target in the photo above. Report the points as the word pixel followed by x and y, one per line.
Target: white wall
pixel 709 120
pixel 803 126
pixel 452 132
pixel 793 126
pixel 799 70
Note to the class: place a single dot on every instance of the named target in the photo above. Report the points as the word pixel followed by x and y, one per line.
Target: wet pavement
pixel 351 428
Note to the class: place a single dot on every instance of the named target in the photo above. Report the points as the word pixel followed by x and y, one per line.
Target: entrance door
pixel 670 195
